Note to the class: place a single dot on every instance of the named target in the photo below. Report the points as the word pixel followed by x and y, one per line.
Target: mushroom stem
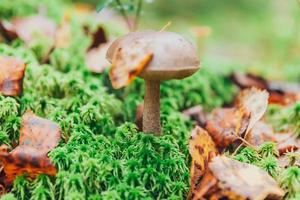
pixel 151 114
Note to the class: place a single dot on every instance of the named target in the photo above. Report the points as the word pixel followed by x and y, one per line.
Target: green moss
pixel 290 181
pixel 285 119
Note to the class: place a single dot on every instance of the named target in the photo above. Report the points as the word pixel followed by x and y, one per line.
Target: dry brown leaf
pixel 202 148
pixel 287 142
pixel 129 63
pixel 280 92
pixel 255 102
pixel 226 125
pixel 245 180
pixel 245 81
pixel 206 187
pixel 260 133
pixel 197 114
pixel 37 137
pixel 98 37
pixel 96 58
pixel 28 27
pixel 12 71
pixel 284 98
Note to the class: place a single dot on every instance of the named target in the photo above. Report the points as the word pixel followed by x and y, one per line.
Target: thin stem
pixel 123 12
pixel 138 14
pixel 151 113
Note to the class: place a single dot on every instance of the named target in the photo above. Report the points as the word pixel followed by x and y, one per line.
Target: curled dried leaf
pixel 37 137
pixel 226 125
pixel 245 180
pixel 255 102
pixel 202 149
pixel 260 133
pixel 12 72
pixel 127 63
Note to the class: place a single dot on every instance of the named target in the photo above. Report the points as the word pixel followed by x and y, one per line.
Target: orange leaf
pixel 129 63
pixel 37 137
pixel 202 149
pixel 11 76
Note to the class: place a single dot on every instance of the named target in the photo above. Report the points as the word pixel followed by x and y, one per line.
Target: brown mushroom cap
pixel 173 56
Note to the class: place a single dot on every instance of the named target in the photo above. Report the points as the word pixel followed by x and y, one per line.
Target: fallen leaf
pixel 37 137
pixel 197 114
pixel 28 27
pixel 96 58
pixel 255 102
pixel 245 81
pixel 260 133
pixel 202 149
pixel 287 142
pixel 226 125
pixel 12 71
pixel 283 98
pixel 98 37
pixel 246 180
pixel 128 62
pixel 280 92
pixel 207 186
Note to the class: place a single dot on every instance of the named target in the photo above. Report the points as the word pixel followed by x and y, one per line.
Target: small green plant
pixel 290 181
pixel 21 188
pixel 268 149
pixel 8 196
pixel 270 165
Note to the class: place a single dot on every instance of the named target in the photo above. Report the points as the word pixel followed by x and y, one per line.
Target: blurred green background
pixel 259 36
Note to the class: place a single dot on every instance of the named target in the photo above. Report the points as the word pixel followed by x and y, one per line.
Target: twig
pixel 166 26
pixel 138 14
pixel 243 142
pixel 123 12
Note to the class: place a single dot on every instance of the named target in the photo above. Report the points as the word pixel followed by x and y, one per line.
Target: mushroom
pixel 173 57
